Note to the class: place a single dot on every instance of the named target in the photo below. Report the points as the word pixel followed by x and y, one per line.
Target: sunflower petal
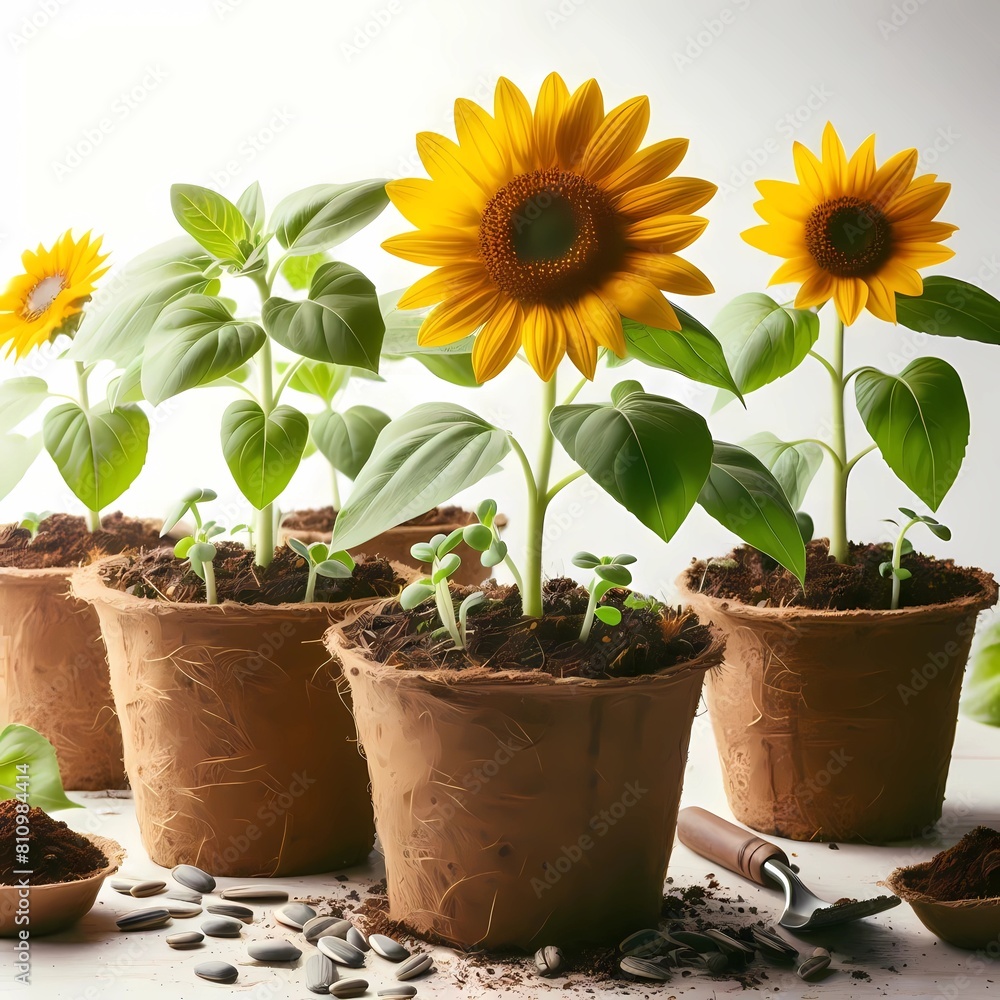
pixel 881 301
pixel 773 240
pixel 900 277
pixel 893 177
pixel 861 169
pixel 580 346
pixel 673 196
pixel 602 321
pixel 443 160
pixel 921 232
pixel 668 272
pixel 552 100
pixel 791 200
pixel 809 170
pixel 850 296
pixel 434 247
pixel 794 269
pixel 639 299
pixel 815 290
pixel 922 254
pixel 423 202
pixel 513 113
pixel 919 202
pixel 646 166
pixel 617 138
pixel 444 283
pixel 544 338
pixel 579 122
pixel 665 233
pixel 458 317
pixel 498 342
pixel 479 139
pixel 834 162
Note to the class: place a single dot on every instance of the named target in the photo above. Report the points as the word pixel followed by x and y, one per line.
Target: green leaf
pixel 319 217
pixel 793 465
pixel 23 748
pixel 454 368
pixel 450 542
pixel 347 439
pixel 126 387
pixel 334 569
pixel 807 529
pixel 949 307
pixel 614 574
pixel 920 421
pixel 262 452
pixel 650 453
pixel 586 560
pixel 19 398
pixel 19 454
pixel 744 497
pixel 608 614
pixel 495 554
pixel 194 342
pixel 212 219
pixel 478 537
pixel 251 206
pixel 693 350
pixel 763 340
pixel 339 323
pixel 98 453
pixel 446 567
pixel 299 271
pixel 183 547
pixel 981 697
pixel 423 552
pixel 421 459
pixel 414 595
pixel 299 548
pixel 201 552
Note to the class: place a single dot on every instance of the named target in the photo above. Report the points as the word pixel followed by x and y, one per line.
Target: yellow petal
pixel 639 299
pixel 794 269
pixel 850 296
pixel 602 321
pixel 458 317
pixel 919 201
pixel 665 233
pixel 442 159
pixel 809 171
pixel 513 113
pixel 881 301
pixel 834 162
pixel 774 240
pixel 498 342
pixel 578 123
pixel 791 200
pixel 668 272
pixel 893 177
pixel 479 140
pixel 544 338
pixel 552 100
pixel 435 247
pixel 444 283
pixel 580 346
pixel 673 196
pixel 616 139
pixel 920 232
pixel 815 290
pixel 861 169
pixel 426 203
pixel 922 254
pixel 648 165
pixel 901 277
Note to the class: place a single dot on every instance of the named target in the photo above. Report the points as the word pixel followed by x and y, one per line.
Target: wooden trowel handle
pixel 728 845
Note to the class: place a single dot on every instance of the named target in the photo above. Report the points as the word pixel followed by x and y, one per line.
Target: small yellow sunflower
pixel 53 289
pixel 852 232
pixel 546 227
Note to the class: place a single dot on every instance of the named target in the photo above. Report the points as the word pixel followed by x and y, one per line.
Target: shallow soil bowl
pixel 53 908
pixel 965 923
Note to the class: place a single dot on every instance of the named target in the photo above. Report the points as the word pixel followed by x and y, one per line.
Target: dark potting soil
pixel 969 870
pixel 159 575
pixel 644 642
pixel 321 519
pixel 55 852
pixel 831 586
pixel 64 541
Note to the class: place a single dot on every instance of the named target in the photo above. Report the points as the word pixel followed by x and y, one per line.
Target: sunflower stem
pixel 264 535
pixel 91 517
pixel 538 501
pixel 839 545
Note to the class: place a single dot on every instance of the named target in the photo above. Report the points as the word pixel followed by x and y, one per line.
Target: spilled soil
pixel 969 870
pixel 159 575
pixel 753 578
pixel 54 852
pixel 321 519
pixel 64 541
pixel 646 641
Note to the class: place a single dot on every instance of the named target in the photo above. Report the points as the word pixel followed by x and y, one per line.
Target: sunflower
pixel 53 289
pixel 850 231
pixel 546 227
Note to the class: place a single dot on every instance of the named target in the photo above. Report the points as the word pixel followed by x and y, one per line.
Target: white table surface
pixel 95 960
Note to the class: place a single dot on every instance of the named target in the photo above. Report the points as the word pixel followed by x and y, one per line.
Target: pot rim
pixel 338 642
pixel 21 574
pixel 893 883
pixel 87 583
pixel 734 608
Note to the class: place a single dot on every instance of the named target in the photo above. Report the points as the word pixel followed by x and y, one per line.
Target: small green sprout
pixel 196 548
pixel 321 562
pixel 244 529
pixel 440 554
pixel 903 547
pixel 715 564
pixel 32 522
pixel 609 572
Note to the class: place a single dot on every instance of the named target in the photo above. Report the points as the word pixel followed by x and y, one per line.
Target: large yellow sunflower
pixel 54 287
pixel 546 227
pixel 853 232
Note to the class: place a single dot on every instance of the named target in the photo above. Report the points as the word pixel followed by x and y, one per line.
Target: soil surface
pixel 55 853
pixel 159 575
pixel 64 541
pixel 321 519
pixel 969 870
pixel 757 580
pixel 644 642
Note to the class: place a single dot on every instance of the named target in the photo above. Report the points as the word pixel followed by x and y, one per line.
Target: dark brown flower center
pixel 848 237
pixel 549 236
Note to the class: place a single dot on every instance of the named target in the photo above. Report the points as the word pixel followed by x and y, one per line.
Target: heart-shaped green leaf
pixel 19 454
pixel 347 439
pixel 212 219
pixel 319 217
pixel 949 307
pixel 793 465
pixel 28 765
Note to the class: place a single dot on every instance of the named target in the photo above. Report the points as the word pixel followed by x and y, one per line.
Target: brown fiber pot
pixel 54 676
pixel 239 743
pixel 517 810
pixel 838 725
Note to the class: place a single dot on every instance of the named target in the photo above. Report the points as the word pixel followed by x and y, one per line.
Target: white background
pixel 297 92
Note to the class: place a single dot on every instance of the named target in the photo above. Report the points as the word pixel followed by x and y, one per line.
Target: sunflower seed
pixel 181 910
pixel 772 946
pixel 820 953
pixel 295 915
pixel 549 960
pixel 141 920
pixel 217 972
pixel 729 943
pixel 415 966
pixel 320 927
pixel 349 988
pixel 388 948
pixel 193 878
pixel 234 910
pixel 150 888
pixel 263 893
pixel 813 968
pixel 715 961
pixel 123 884
pixel 339 929
pixel 321 974
pixel 185 939
pixel 358 939
pixel 341 952
pixel 222 927
pixel 645 944
pixel 273 951
pixel 642 968
pixel 691 939
pixel 184 895
pixel 398 992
